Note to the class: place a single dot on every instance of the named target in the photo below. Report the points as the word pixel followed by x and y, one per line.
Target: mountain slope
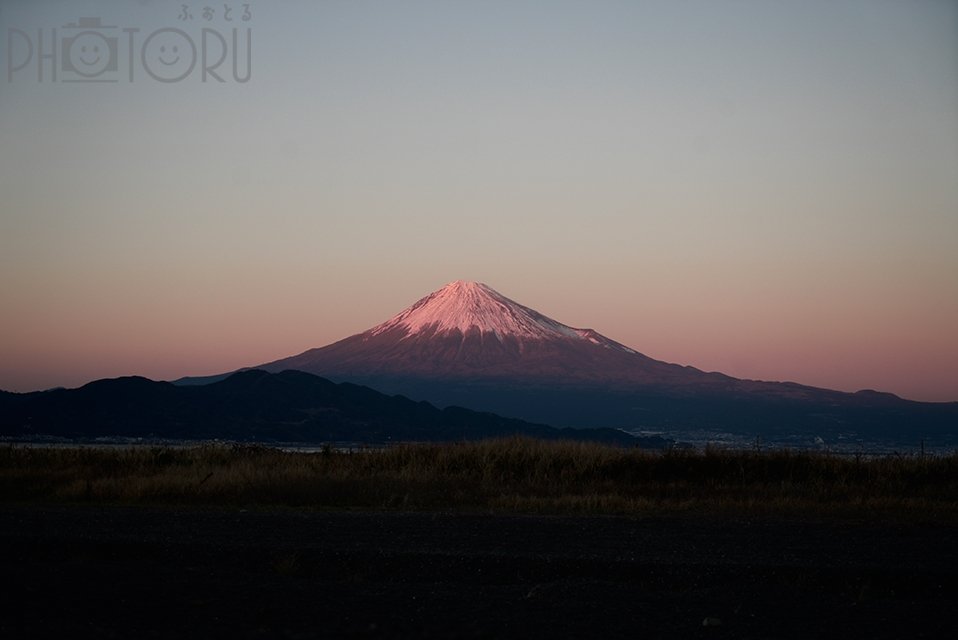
pixel 291 406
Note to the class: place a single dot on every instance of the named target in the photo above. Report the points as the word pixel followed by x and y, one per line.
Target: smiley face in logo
pixel 174 51
pixel 89 54
pixel 169 55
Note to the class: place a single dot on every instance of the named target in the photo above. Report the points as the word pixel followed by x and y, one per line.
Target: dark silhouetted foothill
pixel 254 405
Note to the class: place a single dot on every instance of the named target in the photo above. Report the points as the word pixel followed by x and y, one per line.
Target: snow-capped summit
pixel 464 306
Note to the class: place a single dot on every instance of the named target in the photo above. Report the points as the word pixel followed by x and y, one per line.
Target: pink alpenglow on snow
pixel 464 306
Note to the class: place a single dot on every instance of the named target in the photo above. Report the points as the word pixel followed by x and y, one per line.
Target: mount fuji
pixel 466 344
pixel 468 331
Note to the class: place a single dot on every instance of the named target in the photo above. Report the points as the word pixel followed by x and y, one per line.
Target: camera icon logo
pixel 90 50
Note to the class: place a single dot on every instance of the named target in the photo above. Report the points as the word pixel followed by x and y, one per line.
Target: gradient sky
pixel 765 188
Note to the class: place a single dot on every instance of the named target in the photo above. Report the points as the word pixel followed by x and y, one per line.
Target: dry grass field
pixel 512 475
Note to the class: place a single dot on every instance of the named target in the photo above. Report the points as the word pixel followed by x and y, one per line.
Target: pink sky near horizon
pixel 142 342
pixel 763 189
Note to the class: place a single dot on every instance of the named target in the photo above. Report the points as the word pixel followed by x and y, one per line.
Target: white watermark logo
pixel 89 50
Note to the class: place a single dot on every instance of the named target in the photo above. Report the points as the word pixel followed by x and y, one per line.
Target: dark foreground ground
pixel 149 572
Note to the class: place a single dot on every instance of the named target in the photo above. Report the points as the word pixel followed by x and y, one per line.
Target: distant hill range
pixel 254 405
pixel 468 345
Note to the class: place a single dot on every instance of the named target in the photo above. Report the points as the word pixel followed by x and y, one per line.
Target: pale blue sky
pixel 765 188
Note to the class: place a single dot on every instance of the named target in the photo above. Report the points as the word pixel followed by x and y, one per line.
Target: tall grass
pixel 512 474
